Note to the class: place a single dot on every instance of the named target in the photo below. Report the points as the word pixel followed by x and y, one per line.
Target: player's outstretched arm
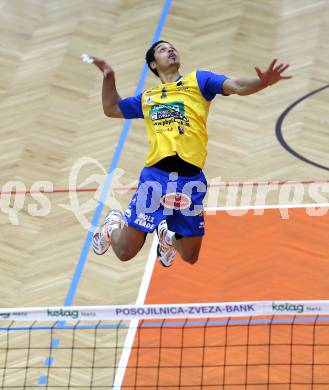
pixel 110 96
pixel 249 85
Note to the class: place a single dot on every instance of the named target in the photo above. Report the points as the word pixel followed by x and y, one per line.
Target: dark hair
pixel 149 57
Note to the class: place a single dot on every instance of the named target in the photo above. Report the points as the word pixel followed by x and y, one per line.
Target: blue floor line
pixel 43 380
pixel 114 164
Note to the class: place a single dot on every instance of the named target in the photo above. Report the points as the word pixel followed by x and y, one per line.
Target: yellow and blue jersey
pixel 176 115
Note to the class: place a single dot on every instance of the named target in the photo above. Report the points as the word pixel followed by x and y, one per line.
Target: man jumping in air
pixel 172 185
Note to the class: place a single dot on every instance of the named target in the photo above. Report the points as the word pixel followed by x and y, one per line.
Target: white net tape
pixel 193 310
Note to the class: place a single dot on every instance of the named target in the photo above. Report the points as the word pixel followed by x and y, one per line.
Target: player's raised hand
pixel 101 64
pixel 273 74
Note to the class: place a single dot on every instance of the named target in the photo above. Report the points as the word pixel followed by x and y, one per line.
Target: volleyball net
pixel 239 345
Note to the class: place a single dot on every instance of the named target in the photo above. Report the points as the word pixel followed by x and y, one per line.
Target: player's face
pixel 166 56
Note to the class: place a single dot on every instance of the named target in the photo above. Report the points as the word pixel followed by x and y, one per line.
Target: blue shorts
pixel 162 195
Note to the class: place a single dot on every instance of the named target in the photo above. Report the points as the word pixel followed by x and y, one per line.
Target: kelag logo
pixel 14 314
pixel 288 307
pixel 63 313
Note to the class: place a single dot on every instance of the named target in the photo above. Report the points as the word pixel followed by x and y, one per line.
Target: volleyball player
pixel 172 185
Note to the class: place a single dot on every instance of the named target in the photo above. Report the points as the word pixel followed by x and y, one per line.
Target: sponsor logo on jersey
pixel 145 220
pixel 176 201
pixel 200 213
pixel 181 86
pixel 149 100
pixel 174 110
pixel 163 93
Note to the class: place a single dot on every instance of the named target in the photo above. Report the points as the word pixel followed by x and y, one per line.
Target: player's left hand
pixel 273 74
